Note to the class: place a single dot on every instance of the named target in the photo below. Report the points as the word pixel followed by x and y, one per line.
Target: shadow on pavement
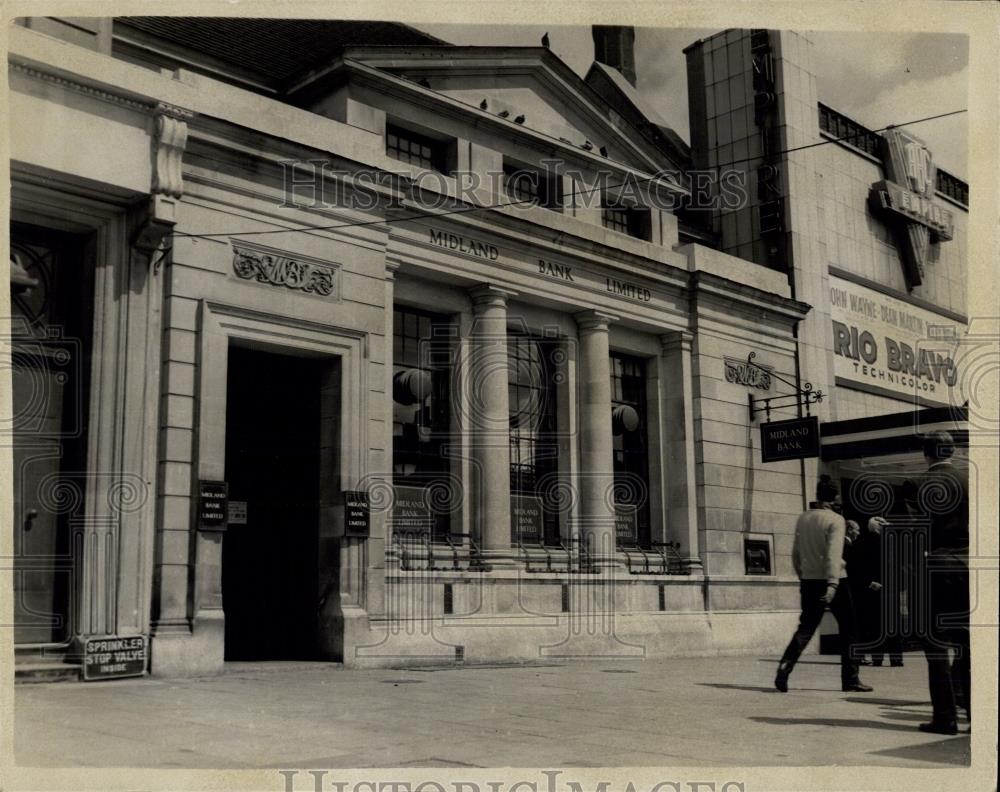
pixel 951 750
pixel 759 688
pixel 888 702
pixel 850 724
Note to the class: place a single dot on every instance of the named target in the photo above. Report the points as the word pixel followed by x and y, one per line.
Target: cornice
pixel 724 291
pixel 82 88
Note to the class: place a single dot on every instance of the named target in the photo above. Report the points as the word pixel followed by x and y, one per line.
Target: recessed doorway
pixel 270 559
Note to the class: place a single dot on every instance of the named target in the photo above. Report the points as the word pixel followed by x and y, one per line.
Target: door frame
pixel 219 325
pixel 113 584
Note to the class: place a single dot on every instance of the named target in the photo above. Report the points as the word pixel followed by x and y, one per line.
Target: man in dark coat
pixel 878 598
pixel 943 585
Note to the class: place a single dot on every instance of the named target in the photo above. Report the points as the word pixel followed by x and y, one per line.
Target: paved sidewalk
pixel 677 712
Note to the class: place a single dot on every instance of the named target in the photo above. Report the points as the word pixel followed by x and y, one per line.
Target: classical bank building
pixel 375 349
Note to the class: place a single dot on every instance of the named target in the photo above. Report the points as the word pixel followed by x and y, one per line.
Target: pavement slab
pixel 710 712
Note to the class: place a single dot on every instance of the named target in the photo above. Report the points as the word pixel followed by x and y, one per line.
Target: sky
pixel 875 78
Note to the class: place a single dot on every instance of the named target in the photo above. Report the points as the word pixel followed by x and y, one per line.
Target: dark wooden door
pixel 51 318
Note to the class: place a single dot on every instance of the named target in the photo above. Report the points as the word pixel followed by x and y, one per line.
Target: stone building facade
pixel 397 352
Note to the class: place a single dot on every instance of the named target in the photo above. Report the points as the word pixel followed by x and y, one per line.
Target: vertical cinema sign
pixel 905 199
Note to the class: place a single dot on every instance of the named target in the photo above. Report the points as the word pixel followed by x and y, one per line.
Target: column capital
pixel 486 295
pixel 594 321
pixel 677 340
pixel 391 268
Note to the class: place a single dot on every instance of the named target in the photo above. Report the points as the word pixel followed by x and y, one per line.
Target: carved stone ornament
pixel 171 138
pixel 740 372
pixel 262 265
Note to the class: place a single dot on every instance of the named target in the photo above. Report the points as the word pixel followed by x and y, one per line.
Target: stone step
pixel 35 672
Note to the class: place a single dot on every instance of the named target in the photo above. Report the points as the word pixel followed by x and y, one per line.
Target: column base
pixel 178 652
pixel 693 566
pixel 605 561
pixel 495 559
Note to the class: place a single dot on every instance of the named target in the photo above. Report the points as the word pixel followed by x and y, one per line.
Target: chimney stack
pixel 614 46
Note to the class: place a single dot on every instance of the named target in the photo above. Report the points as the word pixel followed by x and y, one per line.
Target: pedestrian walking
pixel 943 586
pixel 818 558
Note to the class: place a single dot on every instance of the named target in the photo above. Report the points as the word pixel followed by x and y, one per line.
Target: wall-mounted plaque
pixel 526 518
pixel 237 513
pixel 357 520
pixel 626 524
pixel 411 512
pixel 212 505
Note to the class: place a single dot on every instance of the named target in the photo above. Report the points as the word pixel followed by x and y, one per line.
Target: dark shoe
pixel 896 663
pixel 856 687
pixel 877 663
pixel 939 727
pixel 781 679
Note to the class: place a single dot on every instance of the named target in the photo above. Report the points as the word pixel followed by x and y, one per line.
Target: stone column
pixel 488 412
pixel 597 464
pixel 677 430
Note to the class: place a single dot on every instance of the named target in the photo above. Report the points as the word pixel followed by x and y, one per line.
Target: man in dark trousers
pixel 818 558
pixel 878 603
pixel 943 585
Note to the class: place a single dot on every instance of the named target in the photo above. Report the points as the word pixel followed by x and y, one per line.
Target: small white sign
pixel 237 512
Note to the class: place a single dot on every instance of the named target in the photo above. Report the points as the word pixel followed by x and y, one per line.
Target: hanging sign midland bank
pixel 888 346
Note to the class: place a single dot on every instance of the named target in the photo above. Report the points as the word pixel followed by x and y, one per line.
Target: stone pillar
pixel 383 481
pixel 677 433
pixel 597 464
pixel 488 412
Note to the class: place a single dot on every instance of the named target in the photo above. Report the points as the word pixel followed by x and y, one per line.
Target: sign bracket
pixel 802 397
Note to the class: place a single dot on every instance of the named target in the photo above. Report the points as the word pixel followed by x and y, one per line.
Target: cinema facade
pixel 316 354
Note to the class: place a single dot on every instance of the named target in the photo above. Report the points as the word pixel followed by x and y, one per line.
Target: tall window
pixel 421 418
pixel 629 427
pixel 416 149
pixel 532 364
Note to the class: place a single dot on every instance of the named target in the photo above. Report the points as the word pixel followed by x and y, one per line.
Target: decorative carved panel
pixel 263 265
pixel 753 376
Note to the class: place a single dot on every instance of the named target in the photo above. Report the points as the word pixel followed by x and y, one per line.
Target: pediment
pixel 527 84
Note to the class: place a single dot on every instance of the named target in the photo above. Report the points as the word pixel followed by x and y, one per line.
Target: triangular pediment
pixel 529 85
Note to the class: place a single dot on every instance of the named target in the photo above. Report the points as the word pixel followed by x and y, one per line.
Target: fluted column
pixel 597 464
pixel 487 408
pixel 677 419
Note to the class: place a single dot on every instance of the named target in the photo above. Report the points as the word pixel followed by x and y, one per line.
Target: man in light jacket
pixel 818 558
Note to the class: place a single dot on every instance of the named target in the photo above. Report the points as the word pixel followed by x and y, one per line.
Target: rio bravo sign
pixel 905 199
pixel 889 346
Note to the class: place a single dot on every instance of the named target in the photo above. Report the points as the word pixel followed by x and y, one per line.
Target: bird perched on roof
pixel 519 119
pixel 424 82
pixel 587 146
pixel 545 39
pixel 504 113
pixel 483 104
pixel 604 151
